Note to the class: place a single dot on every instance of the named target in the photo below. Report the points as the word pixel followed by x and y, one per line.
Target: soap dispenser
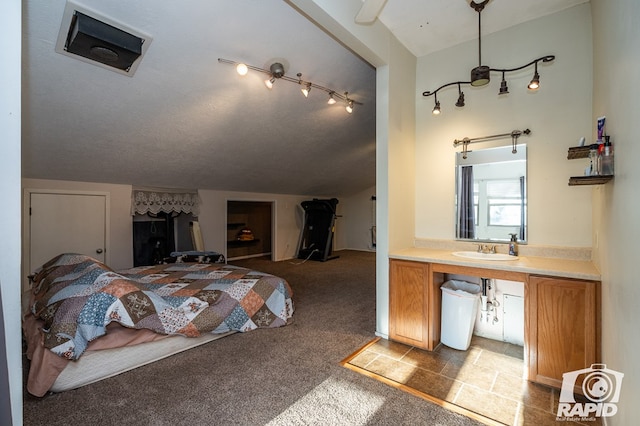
pixel 513 245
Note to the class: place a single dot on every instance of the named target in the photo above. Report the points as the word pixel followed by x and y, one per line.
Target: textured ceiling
pixel 425 26
pixel 185 120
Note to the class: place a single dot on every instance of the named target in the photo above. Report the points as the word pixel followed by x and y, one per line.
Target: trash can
pixel 460 302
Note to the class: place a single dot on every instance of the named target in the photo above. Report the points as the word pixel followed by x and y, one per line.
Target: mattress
pixel 94 366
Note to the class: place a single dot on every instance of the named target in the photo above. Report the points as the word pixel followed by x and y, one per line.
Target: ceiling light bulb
pixel 306 89
pixel 436 109
pixel 331 100
pixel 349 107
pixel 242 69
pixel 535 82
pixel 269 82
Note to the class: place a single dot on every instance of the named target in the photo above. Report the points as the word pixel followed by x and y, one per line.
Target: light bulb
pixel 242 69
pixel 349 107
pixel 331 100
pixel 269 82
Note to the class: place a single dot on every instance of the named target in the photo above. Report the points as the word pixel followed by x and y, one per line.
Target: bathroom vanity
pixel 561 305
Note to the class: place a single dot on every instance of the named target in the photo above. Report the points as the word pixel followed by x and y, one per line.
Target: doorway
pixel 249 229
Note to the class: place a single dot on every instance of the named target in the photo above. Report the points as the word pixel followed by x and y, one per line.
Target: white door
pixel 66 223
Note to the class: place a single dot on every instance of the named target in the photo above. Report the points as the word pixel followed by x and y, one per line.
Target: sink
pixel 484 256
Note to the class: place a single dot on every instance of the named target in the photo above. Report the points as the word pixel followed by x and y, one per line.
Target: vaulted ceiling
pixel 185 120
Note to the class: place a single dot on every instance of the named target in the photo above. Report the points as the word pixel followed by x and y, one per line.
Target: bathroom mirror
pixel 491 196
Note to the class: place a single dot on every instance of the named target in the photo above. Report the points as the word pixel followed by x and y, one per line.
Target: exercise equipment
pixel 316 238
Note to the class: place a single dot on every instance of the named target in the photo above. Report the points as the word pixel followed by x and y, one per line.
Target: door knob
pixel 99 251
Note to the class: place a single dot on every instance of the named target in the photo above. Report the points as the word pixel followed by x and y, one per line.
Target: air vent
pixel 85 36
pixel 102 42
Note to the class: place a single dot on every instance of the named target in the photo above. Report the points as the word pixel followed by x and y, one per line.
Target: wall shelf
pixel 576 152
pixel 589 180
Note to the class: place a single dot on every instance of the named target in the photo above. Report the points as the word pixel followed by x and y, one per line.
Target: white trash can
pixel 460 302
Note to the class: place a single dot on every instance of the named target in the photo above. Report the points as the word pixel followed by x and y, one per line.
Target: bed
pixel 86 322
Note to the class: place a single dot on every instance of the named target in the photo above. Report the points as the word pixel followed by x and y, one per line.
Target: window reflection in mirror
pixel 491 200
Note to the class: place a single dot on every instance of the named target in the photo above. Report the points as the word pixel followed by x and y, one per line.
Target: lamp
pixel 436 109
pixel 306 86
pixel 350 102
pixel 535 81
pixel 481 75
pixel 460 101
pixel 276 72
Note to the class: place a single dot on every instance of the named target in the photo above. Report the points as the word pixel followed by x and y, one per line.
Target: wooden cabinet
pixel 562 315
pixel 563 327
pixel 408 302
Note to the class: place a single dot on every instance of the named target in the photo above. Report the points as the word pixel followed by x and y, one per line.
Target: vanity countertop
pixel 557 267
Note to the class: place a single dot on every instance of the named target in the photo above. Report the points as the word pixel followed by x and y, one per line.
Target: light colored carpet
pixel 286 376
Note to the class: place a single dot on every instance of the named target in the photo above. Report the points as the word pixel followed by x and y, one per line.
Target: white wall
pixel 213 218
pixel 357 219
pixel 10 118
pixel 558 114
pixel 395 130
pixel 616 204
pixel 287 215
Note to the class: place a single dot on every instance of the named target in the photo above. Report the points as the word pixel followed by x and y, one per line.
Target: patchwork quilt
pixel 77 297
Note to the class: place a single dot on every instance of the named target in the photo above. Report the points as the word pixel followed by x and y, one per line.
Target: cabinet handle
pixel 99 251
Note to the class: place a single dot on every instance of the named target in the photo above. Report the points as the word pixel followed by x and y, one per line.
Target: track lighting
pixel 436 109
pixel 269 82
pixel 306 86
pixel 349 107
pixel 460 101
pixel 503 86
pixel 276 72
pixel 481 75
pixel 535 81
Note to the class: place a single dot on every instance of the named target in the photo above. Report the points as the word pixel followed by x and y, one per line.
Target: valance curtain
pixel 145 201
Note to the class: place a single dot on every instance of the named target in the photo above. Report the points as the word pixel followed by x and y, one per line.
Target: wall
pixel 10 118
pixel 616 204
pixel 357 218
pixel 558 114
pixel 213 218
pixel 395 129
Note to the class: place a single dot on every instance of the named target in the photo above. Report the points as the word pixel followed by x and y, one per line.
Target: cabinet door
pixel 563 327
pixel 408 307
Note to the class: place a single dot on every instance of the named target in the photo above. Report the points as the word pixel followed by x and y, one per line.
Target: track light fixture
pixel 276 72
pixel 350 102
pixel 436 109
pixel 481 75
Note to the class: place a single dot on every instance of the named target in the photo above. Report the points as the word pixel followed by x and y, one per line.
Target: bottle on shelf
pixel 607 157
pixel 594 159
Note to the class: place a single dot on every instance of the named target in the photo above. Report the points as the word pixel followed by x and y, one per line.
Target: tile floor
pixel 487 379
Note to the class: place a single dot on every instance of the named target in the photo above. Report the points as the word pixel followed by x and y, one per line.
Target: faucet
pixel 485 248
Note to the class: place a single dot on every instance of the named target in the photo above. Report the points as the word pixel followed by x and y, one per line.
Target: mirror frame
pixel 497 155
